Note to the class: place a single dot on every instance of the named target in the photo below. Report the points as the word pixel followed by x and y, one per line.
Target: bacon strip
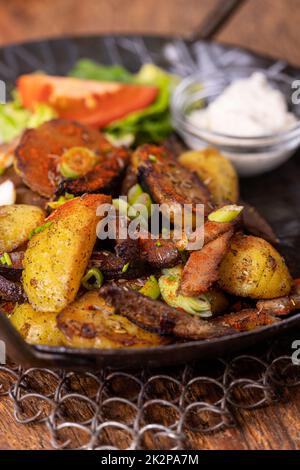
pixel 202 268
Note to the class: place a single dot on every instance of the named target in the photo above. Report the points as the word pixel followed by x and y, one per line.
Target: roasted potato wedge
pixel 40 150
pixel 253 268
pixel 16 223
pixel 56 258
pixel 215 171
pixel 36 327
pixel 91 323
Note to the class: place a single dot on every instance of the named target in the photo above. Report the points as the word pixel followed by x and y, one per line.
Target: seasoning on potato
pixel 253 268
pixel 215 171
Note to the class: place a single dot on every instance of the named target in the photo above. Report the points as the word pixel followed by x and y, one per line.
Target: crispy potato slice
pixel 40 150
pixel 215 171
pixel 167 181
pixel 16 223
pixel 36 327
pixel 253 268
pixel 57 257
pixel 91 323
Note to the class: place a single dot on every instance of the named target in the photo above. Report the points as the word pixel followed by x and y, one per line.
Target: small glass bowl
pixel 250 155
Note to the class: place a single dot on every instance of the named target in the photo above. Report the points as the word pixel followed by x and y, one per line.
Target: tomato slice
pixel 91 102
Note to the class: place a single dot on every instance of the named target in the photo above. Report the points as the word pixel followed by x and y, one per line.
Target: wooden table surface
pixel 266 26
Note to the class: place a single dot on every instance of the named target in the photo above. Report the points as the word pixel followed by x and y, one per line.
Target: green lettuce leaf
pixel 14 118
pixel 88 69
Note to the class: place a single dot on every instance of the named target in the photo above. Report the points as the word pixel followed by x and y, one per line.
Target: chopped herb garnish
pixel 158 243
pixel 40 229
pixel 152 158
pixel 125 268
pixel 6 259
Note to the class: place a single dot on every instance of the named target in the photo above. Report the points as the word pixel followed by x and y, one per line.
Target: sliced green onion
pixel 40 229
pixel 121 206
pixel 142 205
pixel 226 214
pixel 61 200
pixel 124 140
pixel 134 193
pixel 93 273
pixel 125 268
pixel 169 285
pixel 6 259
pixel 158 243
pixel 152 158
pixel 151 288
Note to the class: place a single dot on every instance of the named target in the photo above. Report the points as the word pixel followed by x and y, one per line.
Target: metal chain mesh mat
pixel 148 409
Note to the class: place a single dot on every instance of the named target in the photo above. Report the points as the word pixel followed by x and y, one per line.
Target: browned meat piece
pixel 175 145
pixel 114 267
pixel 129 180
pixel 257 225
pixel 213 230
pixel 11 291
pixel 246 320
pixel 160 253
pixel 40 150
pixel 103 178
pixel 167 181
pixel 160 318
pixel 13 272
pixel 157 254
pixel 202 268
pixel 128 250
pixel 280 307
